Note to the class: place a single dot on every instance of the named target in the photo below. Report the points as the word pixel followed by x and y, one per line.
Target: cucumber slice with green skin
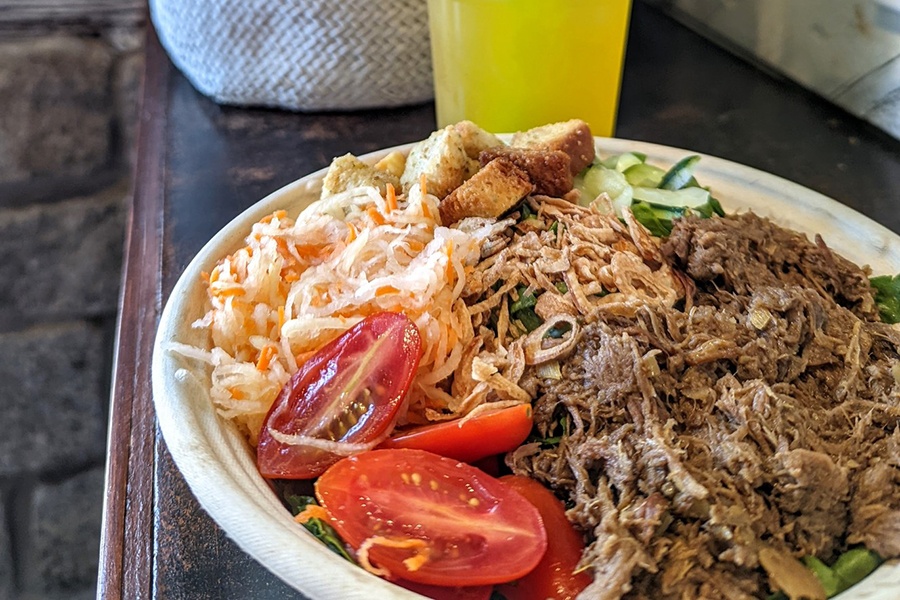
pixel 621 162
pixel 831 583
pixel 854 565
pixel 681 173
pixel 644 175
pixel 599 179
pixel 692 197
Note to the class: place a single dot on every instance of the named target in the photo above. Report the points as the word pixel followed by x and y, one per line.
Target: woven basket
pixel 301 54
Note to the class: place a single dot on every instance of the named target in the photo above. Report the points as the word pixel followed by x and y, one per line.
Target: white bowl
pixel 220 467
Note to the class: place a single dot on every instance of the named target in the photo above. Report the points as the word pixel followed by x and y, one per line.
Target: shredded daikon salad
pixel 299 283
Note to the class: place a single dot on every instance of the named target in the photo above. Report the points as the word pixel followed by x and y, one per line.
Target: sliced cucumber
pixel 680 174
pixel 691 197
pixel 644 175
pixel 599 179
pixel 621 162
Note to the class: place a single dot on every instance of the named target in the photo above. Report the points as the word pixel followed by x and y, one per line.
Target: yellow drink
pixel 509 65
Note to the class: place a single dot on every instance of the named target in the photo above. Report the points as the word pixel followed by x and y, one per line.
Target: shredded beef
pixel 760 417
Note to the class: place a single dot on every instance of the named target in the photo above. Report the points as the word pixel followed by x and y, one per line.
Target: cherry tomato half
pixel 350 391
pixel 450 523
pixel 554 577
pixel 471 439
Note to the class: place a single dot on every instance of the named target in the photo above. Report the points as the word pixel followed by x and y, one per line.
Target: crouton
pixel 443 160
pixel 348 172
pixel 548 170
pixel 393 163
pixel 492 191
pixel 572 137
pixel 475 139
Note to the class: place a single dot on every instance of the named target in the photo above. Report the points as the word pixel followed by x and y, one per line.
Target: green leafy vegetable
pixel 319 528
pixel 526 299
pixel 887 297
pixel 529 319
pixel 658 219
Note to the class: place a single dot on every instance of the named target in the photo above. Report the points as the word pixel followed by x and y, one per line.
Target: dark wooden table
pixel 200 164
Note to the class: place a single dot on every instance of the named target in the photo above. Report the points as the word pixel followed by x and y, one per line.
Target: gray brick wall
pixel 68 88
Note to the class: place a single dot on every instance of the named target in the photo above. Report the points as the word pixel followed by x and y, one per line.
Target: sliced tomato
pixel 431 519
pixel 554 577
pixel 470 439
pixel 349 392
pixel 440 592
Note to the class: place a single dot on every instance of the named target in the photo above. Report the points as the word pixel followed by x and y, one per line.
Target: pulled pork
pixel 706 445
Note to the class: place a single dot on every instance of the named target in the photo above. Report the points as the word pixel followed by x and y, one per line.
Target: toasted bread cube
pixel 394 163
pixel 348 172
pixel 548 170
pixel 492 191
pixel 475 139
pixel 572 137
pixel 443 160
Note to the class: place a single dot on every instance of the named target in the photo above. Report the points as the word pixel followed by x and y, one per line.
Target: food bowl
pixel 219 465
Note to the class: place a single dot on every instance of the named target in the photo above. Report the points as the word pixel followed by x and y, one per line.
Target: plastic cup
pixel 509 65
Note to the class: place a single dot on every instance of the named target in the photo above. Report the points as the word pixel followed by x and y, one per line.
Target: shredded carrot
pixel 280 317
pixel 415 246
pixel 229 291
pixel 413 563
pixel 278 214
pixel 290 276
pixel 236 393
pixel 450 270
pixel 375 215
pixel 386 290
pixel 351 233
pixel 422 183
pixel 265 357
pixel 304 356
pixel 214 276
pixel 391 198
pixel 308 250
pixel 312 511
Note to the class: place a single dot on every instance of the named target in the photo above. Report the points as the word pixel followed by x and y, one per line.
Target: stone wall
pixel 69 80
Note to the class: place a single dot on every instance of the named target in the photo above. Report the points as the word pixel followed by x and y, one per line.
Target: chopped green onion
pixel 526 300
pixel 529 319
pixel 527 213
